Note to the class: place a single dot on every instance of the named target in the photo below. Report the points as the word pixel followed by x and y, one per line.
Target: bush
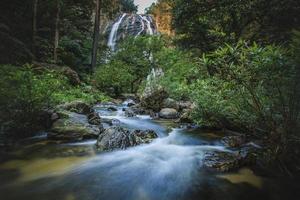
pixel 246 87
pixel 129 66
pixel 23 95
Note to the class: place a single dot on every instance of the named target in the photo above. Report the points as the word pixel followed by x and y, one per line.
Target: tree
pixel 96 35
pixel 56 30
pixel 34 25
pixel 128 6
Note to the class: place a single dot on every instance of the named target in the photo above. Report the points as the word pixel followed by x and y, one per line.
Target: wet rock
pixel 75 127
pixel 168 113
pixel 77 107
pixel 234 141
pixel 129 113
pixel 250 153
pixel 110 122
pixel 120 138
pixel 94 118
pixel 144 136
pixel 112 108
pixel 221 161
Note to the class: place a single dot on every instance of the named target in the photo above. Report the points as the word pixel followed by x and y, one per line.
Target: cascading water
pixel 130 25
pixel 114 32
pixel 168 168
pixel 142 26
pixel 149 28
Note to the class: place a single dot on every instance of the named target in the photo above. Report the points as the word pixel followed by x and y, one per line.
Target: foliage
pixel 26 96
pixel 128 6
pixel 248 87
pixel 23 96
pixel 206 24
pixel 180 70
pixel 129 66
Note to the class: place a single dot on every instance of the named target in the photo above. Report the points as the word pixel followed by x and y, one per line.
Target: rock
pixel 76 106
pixel 144 137
pixel 221 161
pixel 120 138
pixel 170 103
pixel 72 76
pixel 249 154
pixel 129 103
pixel 75 127
pixel 54 117
pixel 138 110
pixel 94 118
pixel 234 141
pixel 129 113
pixel 185 105
pixel 110 122
pixel 154 99
pixel 168 113
pixel 112 108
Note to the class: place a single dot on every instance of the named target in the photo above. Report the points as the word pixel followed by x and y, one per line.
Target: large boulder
pixel 153 99
pixel 121 138
pixel 73 127
pixel 77 107
pixel 168 113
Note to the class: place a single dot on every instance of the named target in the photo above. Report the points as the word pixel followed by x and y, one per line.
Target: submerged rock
pixel 168 113
pixel 121 138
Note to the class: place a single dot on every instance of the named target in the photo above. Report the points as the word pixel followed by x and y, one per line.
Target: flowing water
pixel 167 169
pixel 114 32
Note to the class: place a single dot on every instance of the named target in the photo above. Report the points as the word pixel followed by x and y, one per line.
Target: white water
pixel 143 26
pixel 149 28
pixel 165 169
pixel 114 32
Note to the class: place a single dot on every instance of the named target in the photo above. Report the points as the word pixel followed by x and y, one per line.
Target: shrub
pixel 23 95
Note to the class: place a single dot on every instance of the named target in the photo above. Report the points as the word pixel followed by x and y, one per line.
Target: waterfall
pixel 149 28
pixel 143 26
pixel 114 32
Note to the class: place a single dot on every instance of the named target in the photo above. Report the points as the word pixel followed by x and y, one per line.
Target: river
pixel 169 168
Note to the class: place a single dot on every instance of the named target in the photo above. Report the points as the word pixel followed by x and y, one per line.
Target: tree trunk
pixel 56 34
pixel 34 26
pixel 96 35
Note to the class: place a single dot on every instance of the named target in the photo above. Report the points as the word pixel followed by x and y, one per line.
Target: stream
pixel 168 168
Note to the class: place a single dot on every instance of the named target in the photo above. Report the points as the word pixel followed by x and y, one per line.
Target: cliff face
pixel 162 14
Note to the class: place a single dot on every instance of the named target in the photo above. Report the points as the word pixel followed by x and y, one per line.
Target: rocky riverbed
pixel 102 152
